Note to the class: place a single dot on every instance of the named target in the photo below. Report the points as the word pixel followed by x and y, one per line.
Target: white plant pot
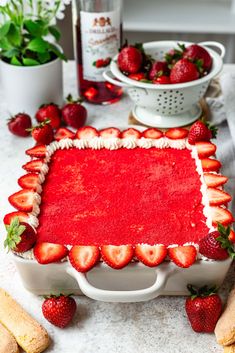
pixel 25 88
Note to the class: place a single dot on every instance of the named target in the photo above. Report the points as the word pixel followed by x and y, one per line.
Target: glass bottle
pixel 97 38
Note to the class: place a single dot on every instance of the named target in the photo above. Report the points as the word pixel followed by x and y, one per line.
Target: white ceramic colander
pixel 168 105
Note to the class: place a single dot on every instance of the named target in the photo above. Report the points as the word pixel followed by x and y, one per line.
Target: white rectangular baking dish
pixel 133 283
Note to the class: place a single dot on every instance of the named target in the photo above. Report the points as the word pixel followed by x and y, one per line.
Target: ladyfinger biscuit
pixel 8 343
pixel 29 334
pixel 225 327
pixel 229 349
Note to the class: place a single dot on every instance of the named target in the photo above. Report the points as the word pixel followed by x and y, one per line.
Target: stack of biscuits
pixel 18 328
pixel 225 327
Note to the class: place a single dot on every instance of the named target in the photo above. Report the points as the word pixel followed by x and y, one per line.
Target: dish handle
pixel 108 76
pixel 216 45
pixel 163 272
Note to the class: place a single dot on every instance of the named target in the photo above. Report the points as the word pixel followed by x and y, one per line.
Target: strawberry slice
pixel 29 181
pixel 231 236
pixel 150 255
pixel 23 217
pixel 221 215
pixel 33 166
pixel 86 132
pixel 183 256
pixel 210 165
pixel 205 149
pixel 153 133
pixel 22 200
pixel 110 132
pixel 46 253
pixel 214 180
pixel 84 258
pixel 218 197
pixel 63 133
pixel 38 151
pixel 117 257
pixel 176 133
pixel 131 133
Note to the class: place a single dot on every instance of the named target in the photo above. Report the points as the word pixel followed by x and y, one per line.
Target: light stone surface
pixel 159 325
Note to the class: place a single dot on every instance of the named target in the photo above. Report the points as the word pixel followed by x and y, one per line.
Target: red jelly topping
pixel 122 197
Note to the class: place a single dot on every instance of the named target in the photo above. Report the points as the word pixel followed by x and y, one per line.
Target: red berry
pixel 138 76
pixel 22 200
pixel 197 53
pixel 84 258
pixel 74 114
pixel 46 253
pixel 23 217
pixel 43 133
pixel 117 257
pixel 19 124
pixel 162 80
pixel 60 310
pixel 183 256
pixel 183 71
pixel 201 131
pixel 20 236
pixel 49 111
pixel 151 255
pixel 203 309
pixel 158 69
pixel 130 60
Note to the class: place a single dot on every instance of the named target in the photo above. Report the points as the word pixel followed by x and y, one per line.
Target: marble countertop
pixel 159 325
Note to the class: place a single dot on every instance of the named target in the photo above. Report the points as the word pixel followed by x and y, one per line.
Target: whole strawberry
pixel 158 69
pixel 43 133
pixel 130 60
pixel 59 310
pixel 49 111
pixel 184 71
pixel 203 308
pixel 201 131
pixel 216 245
pixel 19 125
pixel 199 55
pixel 20 236
pixel 74 113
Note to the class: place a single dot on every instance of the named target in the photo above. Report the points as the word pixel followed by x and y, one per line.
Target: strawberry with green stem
pixel 21 236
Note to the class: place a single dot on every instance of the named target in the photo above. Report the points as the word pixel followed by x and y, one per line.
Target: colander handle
pixel 216 45
pixel 108 76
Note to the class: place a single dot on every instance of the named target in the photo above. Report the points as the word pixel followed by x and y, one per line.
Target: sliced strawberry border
pixel 132 138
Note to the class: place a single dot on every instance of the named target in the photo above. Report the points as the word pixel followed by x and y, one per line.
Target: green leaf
pixel 4 29
pixel 5 45
pixel 55 32
pixel 38 45
pixel 44 57
pixel 11 53
pixel 35 28
pixel 30 62
pixel 14 35
pixel 57 52
pixel 15 61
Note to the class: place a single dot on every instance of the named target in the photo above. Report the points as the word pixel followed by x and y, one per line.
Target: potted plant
pixel 30 59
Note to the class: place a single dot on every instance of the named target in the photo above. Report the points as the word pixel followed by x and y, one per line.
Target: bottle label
pixel 100 36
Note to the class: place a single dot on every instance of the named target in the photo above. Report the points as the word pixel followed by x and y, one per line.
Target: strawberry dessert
pixel 122 196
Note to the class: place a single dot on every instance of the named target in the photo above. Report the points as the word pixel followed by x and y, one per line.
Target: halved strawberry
pixel 23 217
pixel 221 215
pixel 153 133
pixel 117 257
pixel 33 166
pixel 150 255
pixel 210 165
pixel 110 132
pixel 176 133
pixel 131 133
pixel 38 151
pixel 183 256
pixel 205 149
pixel 46 253
pixel 232 236
pixel 22 200
pixel 213 180
pixel 28 181
pixel 63 133
pixel 86 132
pixel 218 197
pixel 83 258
